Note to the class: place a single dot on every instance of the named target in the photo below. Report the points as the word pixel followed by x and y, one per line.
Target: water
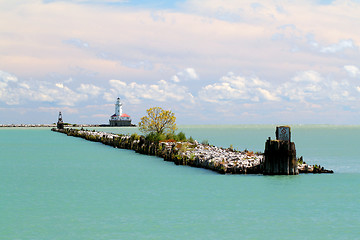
pixel 57 187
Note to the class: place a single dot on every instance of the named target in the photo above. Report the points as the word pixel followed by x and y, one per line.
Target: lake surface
pixel 57 187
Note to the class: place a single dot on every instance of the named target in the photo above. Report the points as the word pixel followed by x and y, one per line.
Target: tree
pixel 158 121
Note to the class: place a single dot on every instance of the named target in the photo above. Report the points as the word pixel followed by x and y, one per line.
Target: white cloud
pixel 175 79
pixel 235 88
pixel 305 87
pixel 90 89
pixel 161 91
pixel 340 46
pixel 337 47
pixel 190 72
pixel 353 71
pixel 10 90
pixel 14 92
pixel 7 77
pixel 24 85
pixel 270 96
pixel 59 94
pixel 308 76
pixel 310 86
pixel 186 75
pixel 59 85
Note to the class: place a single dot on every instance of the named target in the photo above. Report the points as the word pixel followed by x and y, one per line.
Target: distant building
pixel 119 118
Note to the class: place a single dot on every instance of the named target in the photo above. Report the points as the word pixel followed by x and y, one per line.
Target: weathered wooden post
pixel 280 154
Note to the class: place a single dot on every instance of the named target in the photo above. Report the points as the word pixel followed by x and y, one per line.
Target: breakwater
pixel 184 153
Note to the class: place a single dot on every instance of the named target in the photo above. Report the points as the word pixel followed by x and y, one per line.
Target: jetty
pixel 194 154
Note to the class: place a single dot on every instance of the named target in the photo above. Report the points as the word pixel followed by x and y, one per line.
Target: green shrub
pixel 135 136
pixel 170 136
pixel 155 137
pixel 191 140
pixel 181 137
pixel 205 142
pixel 300 160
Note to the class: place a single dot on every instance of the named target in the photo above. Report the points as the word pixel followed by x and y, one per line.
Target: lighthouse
pixel 60 123
pixel 119 118
pixel 118 108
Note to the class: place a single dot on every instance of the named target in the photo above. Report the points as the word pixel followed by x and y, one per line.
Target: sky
pixel 210 62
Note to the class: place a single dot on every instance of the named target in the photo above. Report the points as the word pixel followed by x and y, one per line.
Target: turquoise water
pixel 57 187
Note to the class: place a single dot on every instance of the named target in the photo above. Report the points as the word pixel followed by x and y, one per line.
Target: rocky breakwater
pixel 224 161
pixel 181 153
pixel 219 159
pixel 303 167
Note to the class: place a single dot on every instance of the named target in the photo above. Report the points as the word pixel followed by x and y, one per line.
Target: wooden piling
pixel 280 158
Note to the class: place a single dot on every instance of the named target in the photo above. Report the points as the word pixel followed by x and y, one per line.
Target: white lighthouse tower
pixel 118 108
pixel 119 118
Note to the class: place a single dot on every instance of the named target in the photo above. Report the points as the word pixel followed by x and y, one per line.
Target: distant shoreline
pixel 27 125
pixel 54 125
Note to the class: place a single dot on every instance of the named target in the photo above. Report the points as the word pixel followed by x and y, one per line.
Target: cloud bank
pixel 269 58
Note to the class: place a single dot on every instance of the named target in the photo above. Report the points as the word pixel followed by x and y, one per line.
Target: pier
pixel 224 161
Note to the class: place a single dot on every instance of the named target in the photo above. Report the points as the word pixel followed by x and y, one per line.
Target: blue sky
pixel 211 62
